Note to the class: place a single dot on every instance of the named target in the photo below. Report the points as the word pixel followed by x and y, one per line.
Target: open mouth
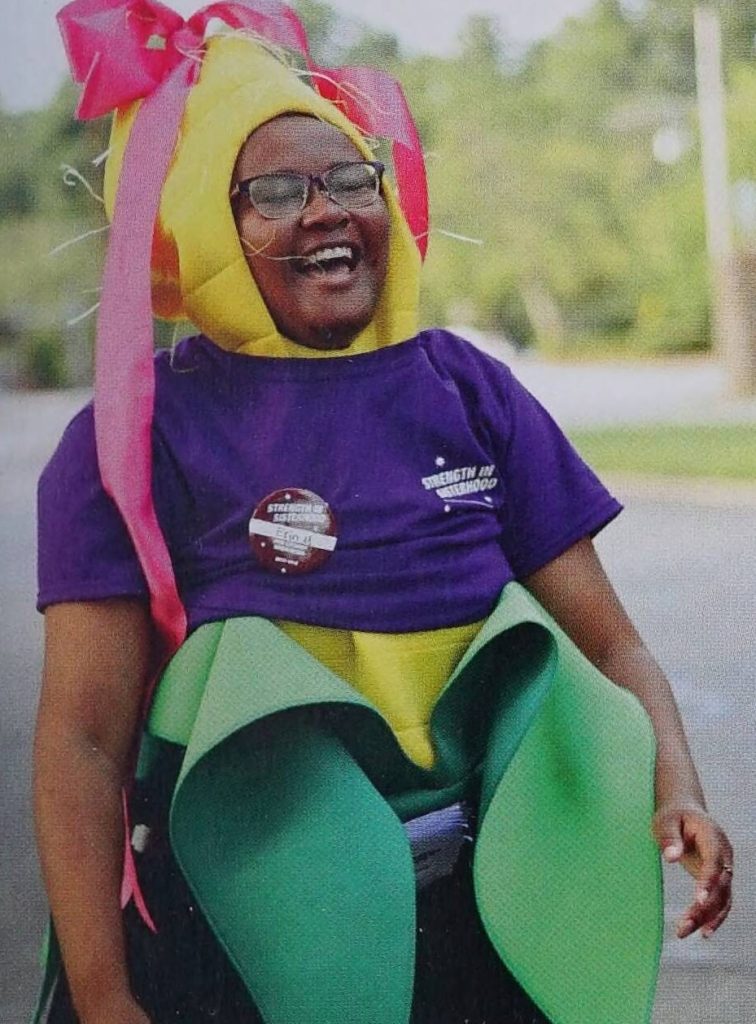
pixel 332 259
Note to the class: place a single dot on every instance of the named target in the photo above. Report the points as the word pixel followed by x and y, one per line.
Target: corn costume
pixel 304 747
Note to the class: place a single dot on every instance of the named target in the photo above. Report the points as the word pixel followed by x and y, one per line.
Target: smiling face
pixel 320 303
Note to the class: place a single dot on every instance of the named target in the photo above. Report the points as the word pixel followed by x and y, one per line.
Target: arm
pixel 96 663
pixel 575 590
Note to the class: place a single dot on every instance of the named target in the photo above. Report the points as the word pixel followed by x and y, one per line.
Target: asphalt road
pixel 685 571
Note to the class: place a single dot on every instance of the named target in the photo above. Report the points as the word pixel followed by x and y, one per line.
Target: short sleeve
pixel 552 499
pixel 84 550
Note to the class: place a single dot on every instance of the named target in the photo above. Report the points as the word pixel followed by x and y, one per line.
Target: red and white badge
pixel 292 531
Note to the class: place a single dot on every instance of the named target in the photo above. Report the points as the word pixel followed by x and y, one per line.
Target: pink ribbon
pixel 125 50
pixel 124 372
pixel 375 103
pixel 130 887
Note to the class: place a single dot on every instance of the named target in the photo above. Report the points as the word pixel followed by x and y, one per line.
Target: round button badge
pixel 292 531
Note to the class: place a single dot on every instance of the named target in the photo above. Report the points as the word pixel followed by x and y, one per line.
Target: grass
pixel 721 451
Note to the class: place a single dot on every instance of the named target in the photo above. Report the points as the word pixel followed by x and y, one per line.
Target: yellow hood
pixel 199 271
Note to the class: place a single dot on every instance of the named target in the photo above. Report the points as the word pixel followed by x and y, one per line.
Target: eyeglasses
pixel 350 185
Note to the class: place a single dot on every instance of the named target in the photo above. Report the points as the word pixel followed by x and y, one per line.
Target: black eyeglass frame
pixel 321 180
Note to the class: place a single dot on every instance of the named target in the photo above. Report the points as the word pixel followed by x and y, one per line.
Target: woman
pixel 389 486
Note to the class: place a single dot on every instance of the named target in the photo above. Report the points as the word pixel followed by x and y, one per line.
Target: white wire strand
pixel 73 177
pixel 79 238
pixel 83 316
pixel 450 234
pixel 458 238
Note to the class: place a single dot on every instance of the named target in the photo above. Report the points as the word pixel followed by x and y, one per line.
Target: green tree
pixel 480 41
pixel 320 21
pixel 588 240
pixel 374 47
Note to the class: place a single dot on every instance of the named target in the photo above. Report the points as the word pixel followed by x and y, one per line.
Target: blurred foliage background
pixel 575 163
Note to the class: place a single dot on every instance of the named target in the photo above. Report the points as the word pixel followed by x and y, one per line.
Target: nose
pixel 320 209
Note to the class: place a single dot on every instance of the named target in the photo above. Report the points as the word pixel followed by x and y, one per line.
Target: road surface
pixel 685 571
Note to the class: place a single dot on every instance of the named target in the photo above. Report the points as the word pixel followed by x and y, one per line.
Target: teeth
pixel 338 252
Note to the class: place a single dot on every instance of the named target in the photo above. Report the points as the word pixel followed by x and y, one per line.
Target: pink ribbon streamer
pixel 124 372
pixel 125 378
pixel 125 50
pixel 130 887
pixel 375 103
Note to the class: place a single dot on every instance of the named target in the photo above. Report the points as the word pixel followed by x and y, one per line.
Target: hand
pixel 686 834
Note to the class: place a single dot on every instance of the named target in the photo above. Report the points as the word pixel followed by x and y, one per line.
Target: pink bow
pixel 121 50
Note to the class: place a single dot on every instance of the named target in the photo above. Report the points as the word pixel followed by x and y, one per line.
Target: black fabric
pixel 459 978
pixel 182 975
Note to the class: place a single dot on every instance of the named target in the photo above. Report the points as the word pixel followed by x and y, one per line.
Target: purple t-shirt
pixel 393 491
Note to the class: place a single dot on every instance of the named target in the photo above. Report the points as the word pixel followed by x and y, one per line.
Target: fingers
pixel 708 930
pixel 706 914
pixel 708 857
pixel 667 827
pixel 714 876
pixel 715 873
pixel 689 836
